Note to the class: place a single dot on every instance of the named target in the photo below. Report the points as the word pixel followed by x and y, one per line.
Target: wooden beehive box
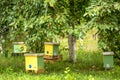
pixel 51 49
pixel 34 62
pixel 19 47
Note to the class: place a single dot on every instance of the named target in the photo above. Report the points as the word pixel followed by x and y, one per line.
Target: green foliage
pixel 38 21
pixel 25 22
pixel 68 76
pixel 105 16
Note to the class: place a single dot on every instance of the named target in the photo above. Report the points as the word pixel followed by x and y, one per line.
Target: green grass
pixel 89 66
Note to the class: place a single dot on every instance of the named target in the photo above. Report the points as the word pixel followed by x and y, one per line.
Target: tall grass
pixel 89 66
pixel 90 60
pixel 11 64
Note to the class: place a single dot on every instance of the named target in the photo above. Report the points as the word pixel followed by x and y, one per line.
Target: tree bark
pixel 72 48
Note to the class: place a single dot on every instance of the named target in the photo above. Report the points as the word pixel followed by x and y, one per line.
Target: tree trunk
pixel 72 48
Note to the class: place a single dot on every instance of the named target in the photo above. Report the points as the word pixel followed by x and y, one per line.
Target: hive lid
pixel 52 43
pixel 108 53
pixel 18 42
pixel 33 54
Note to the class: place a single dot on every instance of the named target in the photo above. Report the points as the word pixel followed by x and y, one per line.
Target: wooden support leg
pixel 36 71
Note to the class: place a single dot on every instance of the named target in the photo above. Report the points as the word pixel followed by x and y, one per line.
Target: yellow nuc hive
pixel 34 61
pixel 51 49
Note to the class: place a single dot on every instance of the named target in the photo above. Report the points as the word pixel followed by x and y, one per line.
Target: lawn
pixel 89 66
